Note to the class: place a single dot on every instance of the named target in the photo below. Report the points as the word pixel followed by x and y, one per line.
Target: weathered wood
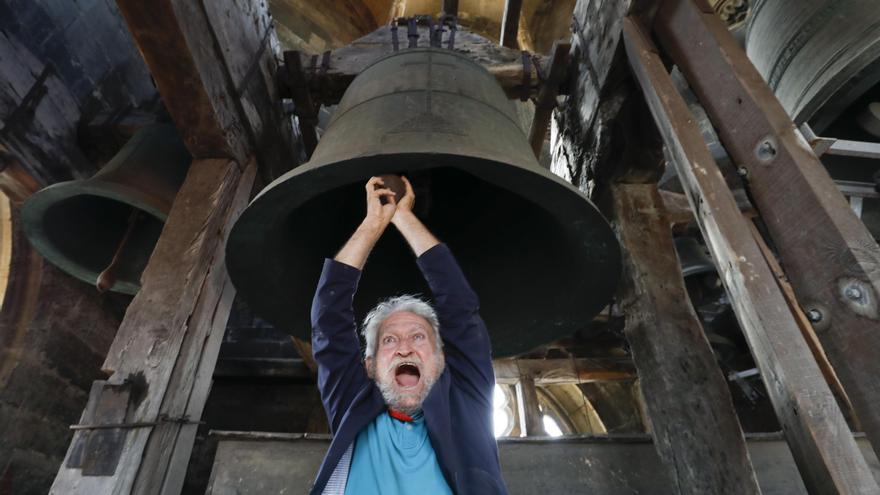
pixel 559 371
pixel 828 254
pixel 168 342
pixel 807 331
pixel 450 7
pixel 249 47
pixel 679 210
pixel 214 65
pixel 175 40
pixel 40 116
pixel 694 423
pixel 510 23
pixel 546 100
pixel 596 26
pixel 603 123
pixel 15 181
pixel 827 456
pixel 328 86
pixel 305 109
pixel 531 421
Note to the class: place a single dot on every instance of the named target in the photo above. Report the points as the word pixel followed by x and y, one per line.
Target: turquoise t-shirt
pixel 392 457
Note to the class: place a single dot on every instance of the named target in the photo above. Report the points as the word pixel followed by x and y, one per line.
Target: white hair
pixel 392 305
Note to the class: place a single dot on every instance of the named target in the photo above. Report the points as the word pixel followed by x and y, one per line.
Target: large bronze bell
pixel 113 219
pixel 540 256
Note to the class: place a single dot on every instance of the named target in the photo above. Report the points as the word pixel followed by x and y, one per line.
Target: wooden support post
pixel 450 7
pixel 305 109
pixel 546 101
pixel 695 428
pixel 531 421
pixel 194 87
pixel 822 446
pixel 807 331
pixel 214 65
pixel 599 103
pixel 164 353
pixel 826 251
pixel 510 23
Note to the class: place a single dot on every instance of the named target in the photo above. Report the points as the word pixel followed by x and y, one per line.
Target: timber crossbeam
pixel 827 252
pixel 820 441
pixel 329 74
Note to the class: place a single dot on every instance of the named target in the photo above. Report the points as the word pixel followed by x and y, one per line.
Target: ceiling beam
pixel 450 7
pixel 328 85
pixel 510 23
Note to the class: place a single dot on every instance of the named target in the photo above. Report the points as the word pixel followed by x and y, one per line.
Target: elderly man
pixel 416 416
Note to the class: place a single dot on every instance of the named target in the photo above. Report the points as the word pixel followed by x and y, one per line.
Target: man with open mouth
pixel 415 416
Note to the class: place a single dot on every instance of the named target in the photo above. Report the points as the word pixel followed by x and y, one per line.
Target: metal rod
pixel 107 278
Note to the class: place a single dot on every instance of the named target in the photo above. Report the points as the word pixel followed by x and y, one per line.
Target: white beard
pixel 395 398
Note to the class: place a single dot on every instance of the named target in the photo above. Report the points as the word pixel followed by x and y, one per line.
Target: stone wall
pixel 54 334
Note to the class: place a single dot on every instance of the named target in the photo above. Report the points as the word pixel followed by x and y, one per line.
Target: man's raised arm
pixel 358 247
pixel 335 344
pixel 466 339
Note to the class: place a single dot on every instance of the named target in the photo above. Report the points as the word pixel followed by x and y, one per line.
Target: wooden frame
pixel 820 441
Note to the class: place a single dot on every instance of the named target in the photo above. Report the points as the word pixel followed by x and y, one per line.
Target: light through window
pixel 501 415
pixel 551 427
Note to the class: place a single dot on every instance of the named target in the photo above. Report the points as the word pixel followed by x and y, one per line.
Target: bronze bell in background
pixel 693 257
pixel 110 223
pixel 540 256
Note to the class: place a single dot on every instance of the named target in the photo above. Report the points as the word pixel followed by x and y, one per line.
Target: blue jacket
pixel 457 410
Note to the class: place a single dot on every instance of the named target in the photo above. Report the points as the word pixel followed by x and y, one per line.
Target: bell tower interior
pixel 669 210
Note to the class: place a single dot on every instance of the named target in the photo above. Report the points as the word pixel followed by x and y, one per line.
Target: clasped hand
pixel 379 215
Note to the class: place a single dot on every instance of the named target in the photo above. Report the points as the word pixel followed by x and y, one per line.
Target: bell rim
pixel 35 207
pixel 242 261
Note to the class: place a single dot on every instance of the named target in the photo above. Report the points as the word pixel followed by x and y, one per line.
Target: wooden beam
pixel 183 60
pixel 560 371
pixel 829 255
pixel 822 446
pixel 680 212
pixel 546 100
pixel 807 331
pixel 306 110
pixel 531 421
pixel 510 23
pixel 15 181
pixel 327 85
pixel 695 427
pixel 595 40
pixel 214 65
pixel 450 7
pixel 162 359
pixel 600 104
